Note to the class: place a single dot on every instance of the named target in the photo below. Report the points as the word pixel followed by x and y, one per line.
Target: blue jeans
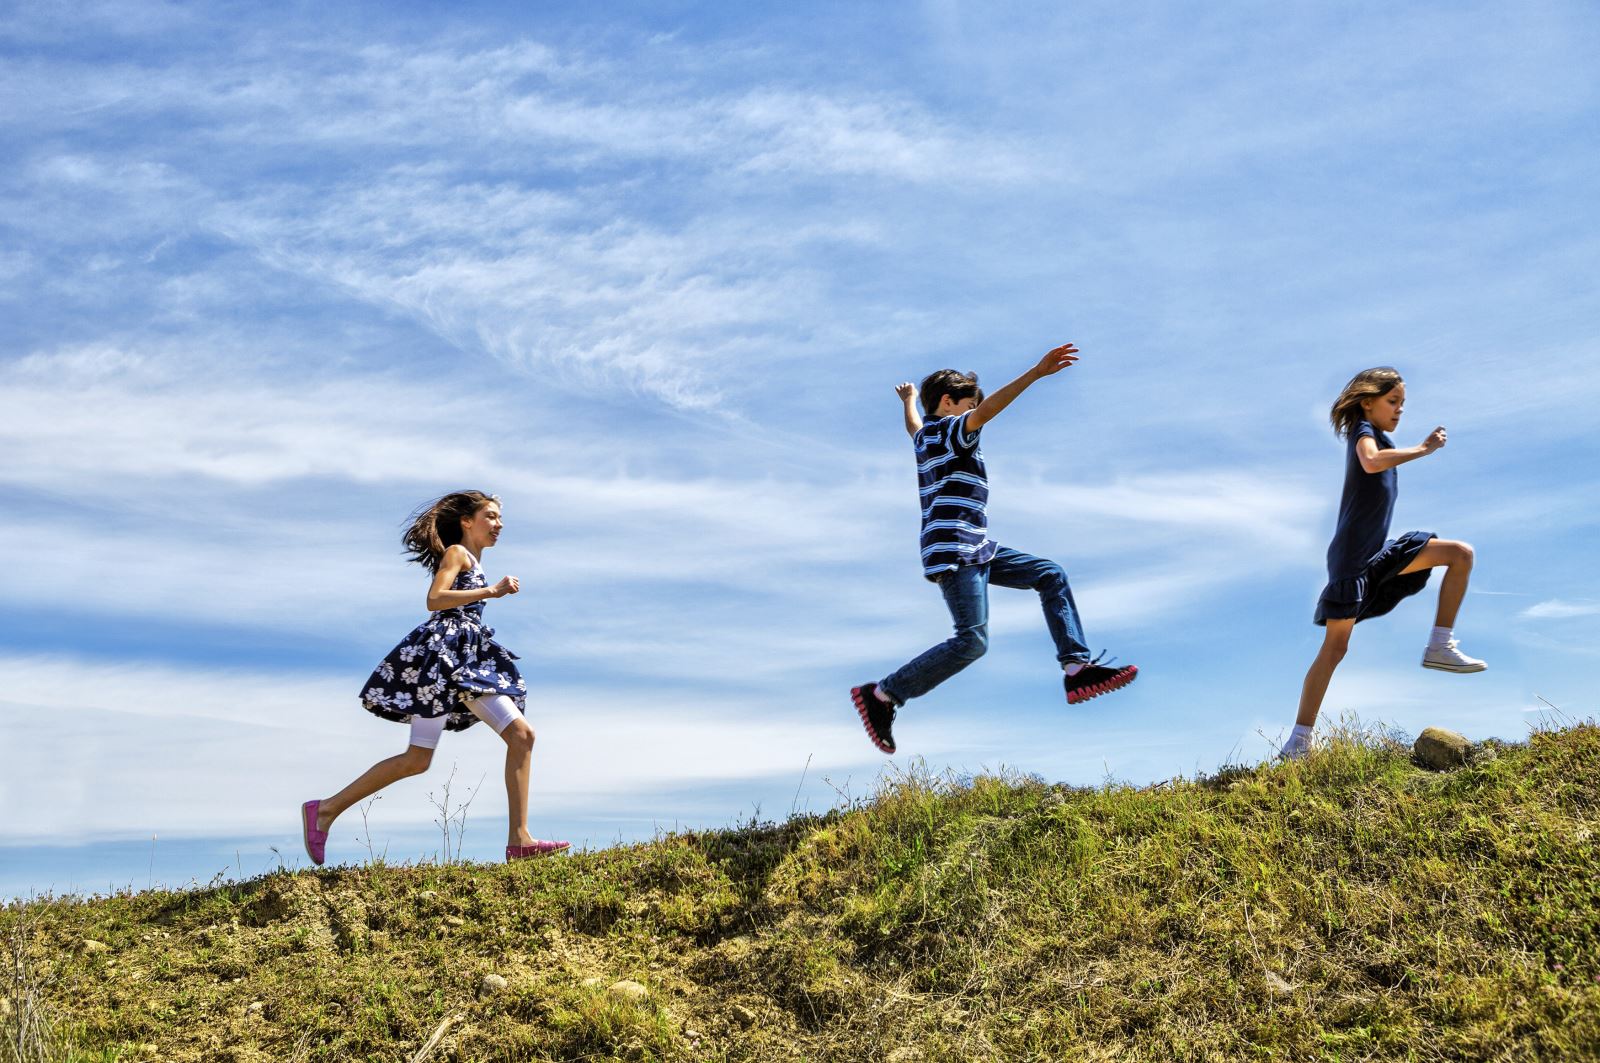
pixel 966 592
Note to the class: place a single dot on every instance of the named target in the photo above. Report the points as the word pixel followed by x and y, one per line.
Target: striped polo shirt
pixel 955 495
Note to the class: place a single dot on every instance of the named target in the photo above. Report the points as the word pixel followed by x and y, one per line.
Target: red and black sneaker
pixel 877 715
pixel 1094 679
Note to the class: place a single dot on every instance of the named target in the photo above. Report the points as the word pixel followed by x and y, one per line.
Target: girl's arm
pixel 456 558
pixel 908 395
pixel 1374 460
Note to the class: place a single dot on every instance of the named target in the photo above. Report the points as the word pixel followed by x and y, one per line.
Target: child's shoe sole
pixel 538 848
pixel 1459 669
pixel 1106 686
pixel 859 696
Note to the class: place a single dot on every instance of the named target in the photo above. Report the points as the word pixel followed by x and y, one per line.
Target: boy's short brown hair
pixel 952 382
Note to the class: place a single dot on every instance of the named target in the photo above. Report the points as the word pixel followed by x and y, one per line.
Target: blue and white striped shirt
pixel 955 495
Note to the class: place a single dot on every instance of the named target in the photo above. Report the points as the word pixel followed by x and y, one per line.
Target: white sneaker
pixel 1447 658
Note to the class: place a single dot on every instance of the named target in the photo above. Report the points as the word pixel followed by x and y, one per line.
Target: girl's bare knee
pixel 416 759
pixel 519 736
pixel 1453 554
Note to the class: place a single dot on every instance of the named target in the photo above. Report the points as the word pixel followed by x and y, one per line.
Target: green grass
pixel 1348 907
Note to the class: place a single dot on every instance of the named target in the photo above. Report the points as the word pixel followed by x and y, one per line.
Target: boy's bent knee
pixel 972 644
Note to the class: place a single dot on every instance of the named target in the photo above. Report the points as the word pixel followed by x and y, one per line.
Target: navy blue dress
pixel 446 661
pixel 1364 566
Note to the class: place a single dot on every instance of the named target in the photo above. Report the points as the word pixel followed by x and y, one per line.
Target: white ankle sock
pixel 1073 668
pixel 1298 742
pixel 877 690
pixel 1440 636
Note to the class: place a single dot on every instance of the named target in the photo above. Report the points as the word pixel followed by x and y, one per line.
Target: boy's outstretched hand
pixel 1051 364
pixel 1057 360
pixel 905 391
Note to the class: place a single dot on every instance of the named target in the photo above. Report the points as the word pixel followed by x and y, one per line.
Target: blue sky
pixel 270 279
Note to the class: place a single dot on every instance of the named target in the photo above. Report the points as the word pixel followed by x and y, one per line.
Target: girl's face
pixel 479 531
pixel 1385 410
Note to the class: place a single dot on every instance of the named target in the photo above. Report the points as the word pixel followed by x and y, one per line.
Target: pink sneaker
pixel 538 848
pixel 316 840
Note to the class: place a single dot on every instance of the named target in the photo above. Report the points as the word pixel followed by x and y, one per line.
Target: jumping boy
pixel 959 556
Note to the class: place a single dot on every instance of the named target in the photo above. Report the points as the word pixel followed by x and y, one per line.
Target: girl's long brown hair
pixel 1367 384
pixel 436 526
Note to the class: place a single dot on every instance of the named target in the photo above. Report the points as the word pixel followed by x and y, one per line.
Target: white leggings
pixel 496 710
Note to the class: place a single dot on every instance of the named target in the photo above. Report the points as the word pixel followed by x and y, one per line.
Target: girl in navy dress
pixel 449 673
pixel 1369 573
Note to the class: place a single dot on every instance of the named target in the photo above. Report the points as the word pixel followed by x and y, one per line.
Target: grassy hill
pixel 1349 907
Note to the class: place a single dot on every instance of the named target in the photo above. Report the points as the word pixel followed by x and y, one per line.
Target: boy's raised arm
pixel 1051 364
pixel 908 396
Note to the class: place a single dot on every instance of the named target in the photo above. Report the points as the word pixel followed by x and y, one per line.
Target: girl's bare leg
pixel 519 764
pixel 414 761
pixel 1335 642
pixel 1456 559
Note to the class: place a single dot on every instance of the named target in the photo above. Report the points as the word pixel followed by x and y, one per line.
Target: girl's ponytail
pixel 436 526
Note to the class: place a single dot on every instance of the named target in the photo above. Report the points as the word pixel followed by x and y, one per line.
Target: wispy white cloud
pixel 103 413
pixel 1560 609
pixel 582 280
pixel 522 96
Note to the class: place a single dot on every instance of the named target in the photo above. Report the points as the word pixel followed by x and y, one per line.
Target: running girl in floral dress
pixel 448 674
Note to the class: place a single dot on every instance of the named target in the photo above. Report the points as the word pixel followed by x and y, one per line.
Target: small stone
pixel 630 991
pixel 1277 984
pixel 429 895
pixel 255 1008
pixel 491 985
pixel 742 1015
pixel 692 1034
pixel 91 947
pixel 1441 750
pixel 454 920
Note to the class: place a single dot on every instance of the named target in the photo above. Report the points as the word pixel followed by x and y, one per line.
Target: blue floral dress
pixel 446 661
